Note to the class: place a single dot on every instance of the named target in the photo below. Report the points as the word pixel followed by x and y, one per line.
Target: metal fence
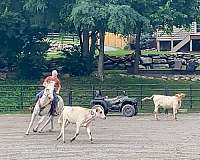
pixel 20 97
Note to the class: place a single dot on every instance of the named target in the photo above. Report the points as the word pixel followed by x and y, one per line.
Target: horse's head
pixel 49 89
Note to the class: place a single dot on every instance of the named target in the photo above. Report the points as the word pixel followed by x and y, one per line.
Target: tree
pixel 90 18
pixel 158 13
pixel 12 25
pixel 22 44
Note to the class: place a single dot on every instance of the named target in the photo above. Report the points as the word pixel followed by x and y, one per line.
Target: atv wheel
pixel 128 110
pixel 102 107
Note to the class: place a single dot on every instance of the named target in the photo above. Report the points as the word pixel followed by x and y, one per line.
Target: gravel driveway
pixel 116 138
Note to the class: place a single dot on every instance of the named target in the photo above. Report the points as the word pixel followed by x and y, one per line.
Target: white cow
pixel 166 102
pixel 82 117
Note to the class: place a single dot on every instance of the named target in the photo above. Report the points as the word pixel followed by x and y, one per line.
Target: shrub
pixel 147 42
pixel 74 63
pixel 31 67
pixel 31 60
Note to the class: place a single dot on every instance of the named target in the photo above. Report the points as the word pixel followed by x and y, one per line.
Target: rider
pixel 55 79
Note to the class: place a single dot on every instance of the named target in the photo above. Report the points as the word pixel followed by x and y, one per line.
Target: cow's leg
pixel 59 136
pixel 39 122
pixel 174 113
pixel 47 122
pixel 32 120
pixel 60 119
pixel 89 133
pixel 62 130
pixel 78 125
pixel 156 111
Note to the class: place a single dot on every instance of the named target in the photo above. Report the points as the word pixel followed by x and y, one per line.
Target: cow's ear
pixel 177 95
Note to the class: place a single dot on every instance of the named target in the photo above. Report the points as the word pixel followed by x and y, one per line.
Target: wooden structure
pixel 115 40
pixel 180 39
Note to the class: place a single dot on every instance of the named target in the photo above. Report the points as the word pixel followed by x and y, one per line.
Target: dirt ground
pixel 116 138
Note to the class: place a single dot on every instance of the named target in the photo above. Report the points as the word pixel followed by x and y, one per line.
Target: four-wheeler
pixel 126 105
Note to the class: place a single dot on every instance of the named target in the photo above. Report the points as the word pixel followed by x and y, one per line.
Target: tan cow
pixel 166 102
pixel 82 117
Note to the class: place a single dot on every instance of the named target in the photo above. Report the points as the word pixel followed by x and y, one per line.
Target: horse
pixel 42 108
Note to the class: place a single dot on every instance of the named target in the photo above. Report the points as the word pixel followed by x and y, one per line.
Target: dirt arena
pixel 116 138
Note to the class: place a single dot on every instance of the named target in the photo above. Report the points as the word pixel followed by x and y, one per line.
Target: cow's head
pixel 99 112
pixel 180 96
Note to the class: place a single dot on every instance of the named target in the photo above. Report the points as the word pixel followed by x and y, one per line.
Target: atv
pixel 124 104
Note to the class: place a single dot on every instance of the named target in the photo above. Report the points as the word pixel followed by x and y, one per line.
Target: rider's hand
pixel 57 92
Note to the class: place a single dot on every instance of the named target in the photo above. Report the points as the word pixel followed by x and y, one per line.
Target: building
pixel 180 39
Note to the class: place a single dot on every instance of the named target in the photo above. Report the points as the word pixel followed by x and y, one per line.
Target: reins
pixel 46 104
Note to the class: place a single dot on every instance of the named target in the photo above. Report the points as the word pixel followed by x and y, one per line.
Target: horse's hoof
pixel 26 133
pixel 34 130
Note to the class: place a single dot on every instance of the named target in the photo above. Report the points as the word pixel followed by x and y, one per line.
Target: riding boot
pixel 53 111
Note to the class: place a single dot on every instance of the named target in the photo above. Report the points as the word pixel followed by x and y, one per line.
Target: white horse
pixel 42 107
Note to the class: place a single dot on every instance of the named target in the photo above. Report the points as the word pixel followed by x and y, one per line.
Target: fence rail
pixel 20 97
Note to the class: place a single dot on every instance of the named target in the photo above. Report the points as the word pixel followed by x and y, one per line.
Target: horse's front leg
pixel 31 122
pixel 52 124
pixel 47 122
pixel 39 122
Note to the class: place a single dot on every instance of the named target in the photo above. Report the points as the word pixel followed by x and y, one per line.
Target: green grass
pixel 115 81
pixel 123 52
pixel 118 52
pixel 54 55
pixel 146 52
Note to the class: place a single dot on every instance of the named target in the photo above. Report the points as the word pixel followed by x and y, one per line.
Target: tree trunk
pixel 80 39
pixel 137 51
pixel 101 56
pixel 85 43
pixel 93 43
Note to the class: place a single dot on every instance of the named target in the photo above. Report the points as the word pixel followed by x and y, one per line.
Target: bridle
pixel 47 103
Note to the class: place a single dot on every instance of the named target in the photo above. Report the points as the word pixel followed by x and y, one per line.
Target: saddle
pixel 53 108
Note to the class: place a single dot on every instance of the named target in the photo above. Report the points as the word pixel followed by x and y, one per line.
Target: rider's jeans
pixel 55 98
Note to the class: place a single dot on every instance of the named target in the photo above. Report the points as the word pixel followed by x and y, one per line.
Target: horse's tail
pixel 147 98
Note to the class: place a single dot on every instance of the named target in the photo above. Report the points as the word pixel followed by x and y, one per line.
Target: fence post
pixel 190 96
pixel 21 97
pixel 69 97
pixel 141 95
pixel 93 92
pixel 166 90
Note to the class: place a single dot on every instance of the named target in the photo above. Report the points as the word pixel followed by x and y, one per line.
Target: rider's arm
pixel 45 81
pixel 59 87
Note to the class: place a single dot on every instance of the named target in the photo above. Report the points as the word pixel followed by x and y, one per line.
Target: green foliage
pixel 121 19
pixel 175 13
pixel 89 15
pixel 12 26
pixel 31 67
pixel 31 60
pixel 76 64
pixel 146 41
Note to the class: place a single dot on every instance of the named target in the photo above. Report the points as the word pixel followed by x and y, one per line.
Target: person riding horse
pixel 53 78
